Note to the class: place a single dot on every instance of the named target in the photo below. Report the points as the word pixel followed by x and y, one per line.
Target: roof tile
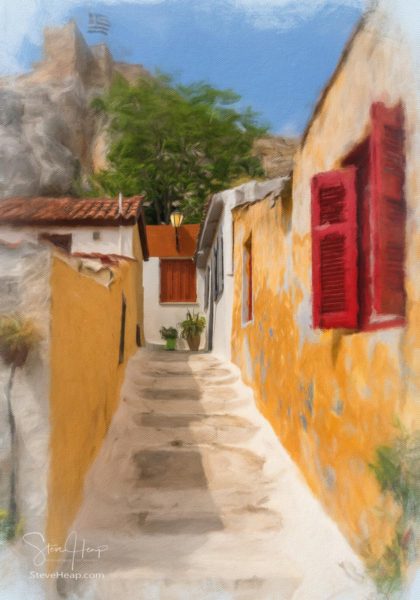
pixel 69 211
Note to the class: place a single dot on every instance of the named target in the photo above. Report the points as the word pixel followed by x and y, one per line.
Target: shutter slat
pixel 334 249
pixel 332 204
pixel 177 280
pixel 388 209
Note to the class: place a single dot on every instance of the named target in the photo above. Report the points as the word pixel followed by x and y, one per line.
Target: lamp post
pixel 176 221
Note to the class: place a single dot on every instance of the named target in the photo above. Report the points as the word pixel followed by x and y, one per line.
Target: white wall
pixel 113 240
pixel 223 307
pixel 24 287
pixel 157 314
pixel 248 192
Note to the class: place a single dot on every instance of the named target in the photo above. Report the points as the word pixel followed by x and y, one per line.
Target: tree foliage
pixel 176 143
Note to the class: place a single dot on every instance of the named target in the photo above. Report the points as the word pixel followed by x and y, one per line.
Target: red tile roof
pixel 69 211
pixel 161 240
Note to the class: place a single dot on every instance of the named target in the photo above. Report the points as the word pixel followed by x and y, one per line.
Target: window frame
pixel 218 267
pixel 63 241
pixel 247 282
pixel 121 352
pixel 373 173
pixel 207 280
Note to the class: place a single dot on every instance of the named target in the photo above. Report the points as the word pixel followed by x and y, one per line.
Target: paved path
pixel 197 500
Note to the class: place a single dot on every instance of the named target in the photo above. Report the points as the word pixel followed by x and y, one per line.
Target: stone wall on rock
pixel 49 134
pixel 276 154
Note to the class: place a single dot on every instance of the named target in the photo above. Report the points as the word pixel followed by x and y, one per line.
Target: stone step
pixel 182 358
pixel 220 401
pixel 182 370
pixel 177 430
pixel 185 380
pixel 124 586
pixel 178 515
pixel 244 496
pixel 148 390
pixel 220 467
pixel 197 523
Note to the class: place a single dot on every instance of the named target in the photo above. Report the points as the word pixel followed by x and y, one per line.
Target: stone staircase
pixel 195 499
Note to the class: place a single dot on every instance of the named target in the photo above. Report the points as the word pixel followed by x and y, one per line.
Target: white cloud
pixel 285 14
pixel 25 19
pixel 289 129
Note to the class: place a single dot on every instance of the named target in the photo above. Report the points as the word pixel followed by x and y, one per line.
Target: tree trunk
pixel 157 211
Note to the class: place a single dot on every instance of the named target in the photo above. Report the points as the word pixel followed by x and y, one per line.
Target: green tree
pixel 176 144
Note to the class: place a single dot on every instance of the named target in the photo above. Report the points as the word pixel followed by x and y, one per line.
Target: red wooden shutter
pixel 334 249
pixel 388 209
pixel 177 280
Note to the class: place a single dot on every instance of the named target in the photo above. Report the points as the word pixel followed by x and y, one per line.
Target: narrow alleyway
pixel 196 499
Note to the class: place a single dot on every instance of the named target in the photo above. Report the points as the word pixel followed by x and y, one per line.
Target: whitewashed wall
pixel 112 240
pixel 248 192
pixel 157 314
pixel 24 288
pixel 222 319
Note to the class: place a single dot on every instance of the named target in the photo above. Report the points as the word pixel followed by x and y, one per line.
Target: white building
pixel 215 258
pixel 83 226
pixel 172 285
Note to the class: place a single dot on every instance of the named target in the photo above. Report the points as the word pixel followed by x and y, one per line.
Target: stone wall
pixel 276 154
pixel 49 135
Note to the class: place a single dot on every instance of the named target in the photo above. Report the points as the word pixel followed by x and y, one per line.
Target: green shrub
pixel 168 333
pixel 397 469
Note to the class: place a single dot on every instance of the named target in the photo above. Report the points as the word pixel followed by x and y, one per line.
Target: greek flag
pixel 98 24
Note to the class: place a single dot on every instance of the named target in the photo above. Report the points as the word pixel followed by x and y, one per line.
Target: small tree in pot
pixel 170 335
pixel 192 328
pixel 17 337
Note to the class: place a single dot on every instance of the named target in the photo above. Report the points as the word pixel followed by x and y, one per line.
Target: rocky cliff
pixel 48 131
pixel 276 154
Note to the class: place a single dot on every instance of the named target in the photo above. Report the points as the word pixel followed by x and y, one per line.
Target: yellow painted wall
pixel 331 396
pixel 85 375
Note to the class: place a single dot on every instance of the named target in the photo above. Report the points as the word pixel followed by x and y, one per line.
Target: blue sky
pixel 278 58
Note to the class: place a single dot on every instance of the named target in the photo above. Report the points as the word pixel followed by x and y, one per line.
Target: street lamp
pixel 176 221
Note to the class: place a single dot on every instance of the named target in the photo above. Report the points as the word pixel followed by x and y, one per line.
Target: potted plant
pixel 192 328
pixel 17 337
pixel 170 335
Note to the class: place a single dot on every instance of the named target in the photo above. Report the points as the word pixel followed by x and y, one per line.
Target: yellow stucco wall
pixel 85 375
pixel 331 396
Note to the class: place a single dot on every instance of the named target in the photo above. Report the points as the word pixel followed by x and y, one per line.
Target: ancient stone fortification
pixel 48 132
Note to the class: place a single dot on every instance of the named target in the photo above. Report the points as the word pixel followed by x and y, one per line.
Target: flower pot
pixel 170 344
pixel 193 342
pixel 15 357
